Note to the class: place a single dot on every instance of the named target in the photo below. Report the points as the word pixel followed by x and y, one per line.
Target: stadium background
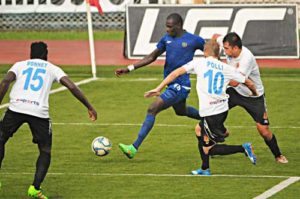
pixel 110 21
pixel 169 153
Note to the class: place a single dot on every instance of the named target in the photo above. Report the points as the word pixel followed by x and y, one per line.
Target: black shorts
pixel 40 127
pixel 213 129
pixel 256 107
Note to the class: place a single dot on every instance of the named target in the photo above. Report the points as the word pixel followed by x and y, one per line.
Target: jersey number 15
pixel 34 78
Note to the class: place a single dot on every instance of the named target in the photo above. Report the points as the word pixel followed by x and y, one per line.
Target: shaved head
pixel 177 19
pixel 211 48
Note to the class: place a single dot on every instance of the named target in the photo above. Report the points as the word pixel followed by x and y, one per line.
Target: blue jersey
pixel 179 51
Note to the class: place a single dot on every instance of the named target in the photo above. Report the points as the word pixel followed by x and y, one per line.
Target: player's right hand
pixel 121 71
pixel 92 114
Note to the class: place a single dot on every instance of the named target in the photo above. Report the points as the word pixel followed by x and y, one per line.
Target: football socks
pixel 145 129
pixel 273 146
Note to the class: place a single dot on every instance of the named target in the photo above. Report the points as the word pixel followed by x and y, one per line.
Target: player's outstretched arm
pixel 4 85
pixel 171 77
pixel 144 62
pixel 80 96
pixel 251 86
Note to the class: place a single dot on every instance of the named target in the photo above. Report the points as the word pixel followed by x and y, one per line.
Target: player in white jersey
pixel 241 58
pixel 29 104
pixel 213 76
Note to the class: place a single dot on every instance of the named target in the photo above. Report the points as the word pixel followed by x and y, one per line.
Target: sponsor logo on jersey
pixel 28 101
pixel 218 101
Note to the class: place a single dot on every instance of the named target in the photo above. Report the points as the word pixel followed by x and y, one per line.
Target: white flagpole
pixel 91 38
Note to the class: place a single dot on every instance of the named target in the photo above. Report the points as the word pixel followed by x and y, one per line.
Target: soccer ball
pixel 101 146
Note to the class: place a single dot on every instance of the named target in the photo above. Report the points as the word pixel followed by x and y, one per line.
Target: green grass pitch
pixel 161 167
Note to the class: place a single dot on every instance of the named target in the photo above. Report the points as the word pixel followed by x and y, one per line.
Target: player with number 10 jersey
pixel 213 77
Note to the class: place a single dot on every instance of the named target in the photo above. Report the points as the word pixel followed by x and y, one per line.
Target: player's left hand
pixel 152 93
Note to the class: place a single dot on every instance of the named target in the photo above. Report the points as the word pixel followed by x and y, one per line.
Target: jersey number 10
pixel 32 79
pixel 215 82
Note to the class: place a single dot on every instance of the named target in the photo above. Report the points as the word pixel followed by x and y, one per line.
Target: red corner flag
pixel 96 4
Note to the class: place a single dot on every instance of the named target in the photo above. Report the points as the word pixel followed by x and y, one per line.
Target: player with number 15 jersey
pixel 29 104
pixel 30 93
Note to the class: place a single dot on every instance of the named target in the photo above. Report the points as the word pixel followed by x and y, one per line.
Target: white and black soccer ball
pixel 101 146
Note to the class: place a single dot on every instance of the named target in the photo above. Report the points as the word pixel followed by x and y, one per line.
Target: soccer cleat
pixel 205 172
pixel 32 192
pixel 128 150
pixel 281 159
pixel 249 152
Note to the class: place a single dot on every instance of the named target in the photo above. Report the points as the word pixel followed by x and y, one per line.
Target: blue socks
pixel 192 113
pixel 149 122
pixel 146 128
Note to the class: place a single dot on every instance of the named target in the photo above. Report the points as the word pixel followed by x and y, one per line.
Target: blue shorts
pixel 174 94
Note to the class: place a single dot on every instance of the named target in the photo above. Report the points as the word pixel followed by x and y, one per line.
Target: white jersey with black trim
pixel 30 92
pixel 213 77
pixel 247 65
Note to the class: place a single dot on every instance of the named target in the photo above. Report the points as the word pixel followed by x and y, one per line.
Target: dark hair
pixel 176 18
pixel 233 39
pixel 38 50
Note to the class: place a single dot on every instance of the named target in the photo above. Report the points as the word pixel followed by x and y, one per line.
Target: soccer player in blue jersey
pixel 213 76
pixel 180 47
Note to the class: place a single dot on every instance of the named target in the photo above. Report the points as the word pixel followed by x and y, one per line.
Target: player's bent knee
pixel 152 110
pixel 206 150
pixel 198 130
pixel 45 149
pixel 264 131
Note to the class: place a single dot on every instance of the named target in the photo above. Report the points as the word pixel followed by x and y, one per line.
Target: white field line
pixel 266 79
pixel 152 175
pixel 135 80
pixel 85 81
pixel 282 185
pixel 160 125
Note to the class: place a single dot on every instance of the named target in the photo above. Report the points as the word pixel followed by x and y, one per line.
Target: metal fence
pixel 61 21
pixel 78 21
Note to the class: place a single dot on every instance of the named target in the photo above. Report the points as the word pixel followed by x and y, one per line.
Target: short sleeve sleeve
pixel 189 67
pixel 58 73
pixel 161 45
pixel 14 69
pixel 200 42
pixel 245 65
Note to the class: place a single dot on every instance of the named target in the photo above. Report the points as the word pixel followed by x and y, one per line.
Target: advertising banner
pixel 269 31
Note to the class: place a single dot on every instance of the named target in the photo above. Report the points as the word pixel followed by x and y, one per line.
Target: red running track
pixel 107 53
